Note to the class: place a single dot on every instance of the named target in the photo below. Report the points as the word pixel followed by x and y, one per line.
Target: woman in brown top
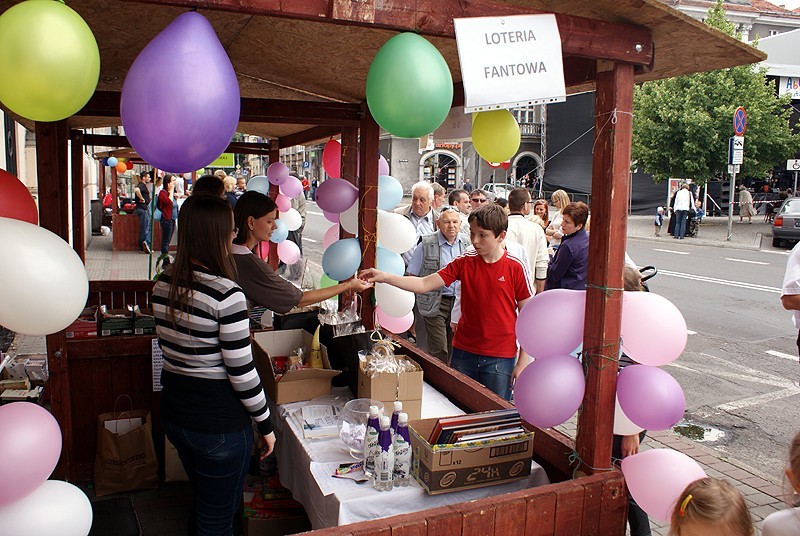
pixel 254 216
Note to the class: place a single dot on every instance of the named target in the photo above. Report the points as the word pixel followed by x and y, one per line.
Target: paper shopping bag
pixel 125 461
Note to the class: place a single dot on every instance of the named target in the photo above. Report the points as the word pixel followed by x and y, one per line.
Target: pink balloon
pixel 653 329
pixel 283 202
pixel 656 479
pixel 292 187
pixel 550 391
pixel 288 252
pixel 277 173
pixel 394 324
pixel 30 444
pixel 650 397
pixel 552 323
pixel 332 217
pixel 262 250
pixel 336 195
pixel 331 236
pixel 383 166
pixel 332 159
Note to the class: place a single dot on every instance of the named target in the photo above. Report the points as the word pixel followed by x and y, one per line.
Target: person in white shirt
pixel 529 234
pixel 683 203
pixel 790 293
pixel 460 200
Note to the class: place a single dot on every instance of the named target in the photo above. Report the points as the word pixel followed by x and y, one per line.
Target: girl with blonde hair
pixel 711 507
pixel 560 200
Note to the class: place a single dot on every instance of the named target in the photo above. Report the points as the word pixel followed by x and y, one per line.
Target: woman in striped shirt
pixel 211 389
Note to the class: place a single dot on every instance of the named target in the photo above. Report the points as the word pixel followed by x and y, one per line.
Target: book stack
pixel 500 424
pixel 320 421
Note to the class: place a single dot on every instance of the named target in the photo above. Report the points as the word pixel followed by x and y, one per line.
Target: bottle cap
pixel 398 406
pixel 373 411
pixel 385 422
pixel 402 418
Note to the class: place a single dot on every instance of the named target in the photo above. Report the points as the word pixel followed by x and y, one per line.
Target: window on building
pixel 773 32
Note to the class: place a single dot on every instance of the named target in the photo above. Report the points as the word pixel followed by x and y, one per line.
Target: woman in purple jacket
pixel 570 263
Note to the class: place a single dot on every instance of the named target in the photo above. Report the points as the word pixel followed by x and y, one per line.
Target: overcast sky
pixel 790 4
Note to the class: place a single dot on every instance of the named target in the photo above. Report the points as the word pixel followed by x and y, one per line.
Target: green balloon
pixel 325 282
pixel 49 61
pixel 409 87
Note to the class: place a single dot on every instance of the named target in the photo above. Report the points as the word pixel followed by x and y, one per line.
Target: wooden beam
pixel 601 336
pixel 580 36
pixel 78 212
pixel 350 174
pixel 306 137
pixel 240 147
pixel 51 170
pixel 368 206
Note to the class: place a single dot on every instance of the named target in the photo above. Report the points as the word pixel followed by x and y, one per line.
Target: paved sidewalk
pixel 712 232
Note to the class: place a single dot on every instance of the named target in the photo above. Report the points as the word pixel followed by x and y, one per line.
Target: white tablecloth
pixel 329 501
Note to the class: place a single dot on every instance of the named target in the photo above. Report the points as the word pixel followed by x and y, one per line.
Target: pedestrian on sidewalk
pixel 787 522
pixel 745 204
pixel 683 203
pixel 711 506
pixel 659 221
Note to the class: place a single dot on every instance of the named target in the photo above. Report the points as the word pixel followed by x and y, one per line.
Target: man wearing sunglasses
pixel 478 198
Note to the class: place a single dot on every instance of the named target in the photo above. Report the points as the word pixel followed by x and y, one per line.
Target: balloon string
pixel 370 238
pixel 607 290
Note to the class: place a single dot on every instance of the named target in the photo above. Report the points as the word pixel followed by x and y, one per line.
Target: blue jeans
pixel 216 465
pixel 144 225
pixel 493 372
pixel 680 223
pixel 167 226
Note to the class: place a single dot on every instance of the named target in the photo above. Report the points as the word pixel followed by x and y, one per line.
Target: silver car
pixel 787 222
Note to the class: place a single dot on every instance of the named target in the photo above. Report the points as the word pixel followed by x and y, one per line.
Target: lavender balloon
pixel 383 165
pixel 562 332
pixel 550 391
pixel 174 118
pixel 336 195
pixel 277 173
pixel 292 187
pixel 650 397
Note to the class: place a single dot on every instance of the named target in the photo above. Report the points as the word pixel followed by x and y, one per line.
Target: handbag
pixel 126 455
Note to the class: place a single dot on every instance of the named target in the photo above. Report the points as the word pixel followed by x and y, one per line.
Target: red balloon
pixel 129 164
pixel 332 159
pixel 15 200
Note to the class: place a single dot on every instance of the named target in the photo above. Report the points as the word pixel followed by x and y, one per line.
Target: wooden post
pixel 51 167
pixel 610 174
pixel 115 192
pixel 274 156
pixel 368 208
pixel 78 212
pixel 349 168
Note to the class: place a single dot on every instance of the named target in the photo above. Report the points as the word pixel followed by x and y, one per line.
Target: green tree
pixel 681 125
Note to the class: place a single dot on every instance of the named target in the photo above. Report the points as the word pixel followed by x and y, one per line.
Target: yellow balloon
pixel 49 61
pixel 495 135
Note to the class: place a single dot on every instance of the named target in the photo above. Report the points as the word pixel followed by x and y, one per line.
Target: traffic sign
pixel 793 165
pixel 739 121
pixel 306 165
pixel 736 150
pixel 733 168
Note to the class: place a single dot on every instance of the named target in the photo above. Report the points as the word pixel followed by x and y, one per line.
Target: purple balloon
pixel 336 195
pixel 277 173
pixel 550 391
pixel 383 166
pixel 552 323
pixel 650 397
pixel 30 444
pixel 292 187
pixel 173 116
pixel 332 217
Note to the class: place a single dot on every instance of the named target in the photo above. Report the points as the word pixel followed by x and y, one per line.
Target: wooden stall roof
pixel 320 50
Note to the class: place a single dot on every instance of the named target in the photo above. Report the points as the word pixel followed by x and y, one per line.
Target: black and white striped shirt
pixel 210 381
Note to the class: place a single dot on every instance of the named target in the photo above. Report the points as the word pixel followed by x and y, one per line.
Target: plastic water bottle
pixel 384 461
pixel 371 440
pixel 398 407
pixel 402 452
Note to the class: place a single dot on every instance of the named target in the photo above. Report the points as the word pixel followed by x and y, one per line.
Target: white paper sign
pixel 507 62
pixel 158 363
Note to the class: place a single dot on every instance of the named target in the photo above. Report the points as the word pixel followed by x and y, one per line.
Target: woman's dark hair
pixel 578 212
pixel 209 185
pixel 167 179
pixel 205 225
pixel 251 203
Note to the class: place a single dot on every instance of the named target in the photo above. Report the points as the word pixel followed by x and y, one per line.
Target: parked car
pixel 786 225
pixel 497 189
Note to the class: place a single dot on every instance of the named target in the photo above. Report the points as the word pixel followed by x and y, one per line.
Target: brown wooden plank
pixel 510 517
pixel 122 377
pixel 103 347
pixel 416 527
pixel 614 516
pixel 368 208
pixel 592 508
pixel 478 519
pixel 78 208
pixel 107 99
pixel 569 503
pixel 349 172
pixel 141 387
pixel 382 531
pixel 310 135
pixel 274 156
pixel 59 386
pixel 610 176
pixel 121 285
pixel 580 36
pixel 446 522
pixel 84 423
pixel 51 170
pixel 540 518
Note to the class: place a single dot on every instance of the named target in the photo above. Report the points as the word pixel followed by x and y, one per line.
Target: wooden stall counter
pixel 125 232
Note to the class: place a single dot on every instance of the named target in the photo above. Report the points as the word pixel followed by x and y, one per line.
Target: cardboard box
pixel 387 388
pixel 115 322
pixel 144 323
pixel 295 385
pixel 269 509
pixel 444 468
pixel 85 326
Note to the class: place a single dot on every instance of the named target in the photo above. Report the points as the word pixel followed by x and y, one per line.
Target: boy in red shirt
pixel 494 288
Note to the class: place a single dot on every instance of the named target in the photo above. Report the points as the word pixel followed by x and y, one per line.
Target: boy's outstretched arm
pixel 522 357
pixel 412 283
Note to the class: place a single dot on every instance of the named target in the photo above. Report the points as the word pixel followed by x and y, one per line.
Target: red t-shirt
pixel 489 296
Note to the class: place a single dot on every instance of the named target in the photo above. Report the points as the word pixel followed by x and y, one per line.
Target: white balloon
pixel 622 424
pixel 55 507
pixel 396 233
pixel 45 283
pixel 292 219
pixel 394 301
pixel 288 252
pixel 349 219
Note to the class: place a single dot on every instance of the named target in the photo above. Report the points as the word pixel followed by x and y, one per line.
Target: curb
pixel 714 243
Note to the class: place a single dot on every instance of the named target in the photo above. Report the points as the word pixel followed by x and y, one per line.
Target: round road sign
pixel 739 121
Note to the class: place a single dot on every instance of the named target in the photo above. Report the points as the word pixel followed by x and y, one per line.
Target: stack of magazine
pixel 500 424
pixel 319 421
